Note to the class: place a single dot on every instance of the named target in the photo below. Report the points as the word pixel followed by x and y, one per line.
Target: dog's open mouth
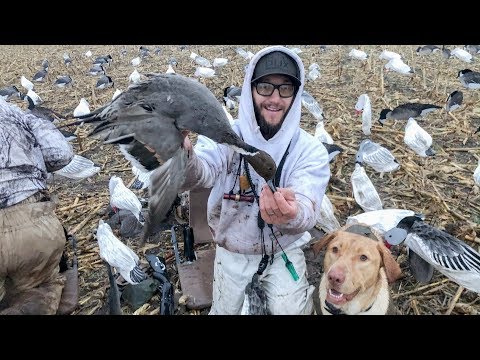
pixel 337 298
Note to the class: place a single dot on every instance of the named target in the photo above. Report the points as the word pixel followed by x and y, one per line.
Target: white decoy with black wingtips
pixel 454 100
pixel 364 192
pixel 380 220
pixel 312 105
pixel 364 107
pixel 406 111
pixel 376 156
pixel 119 255
pixel 35 97
pixel 449 255
pixel 470 79
pixel 148 119
pixel 417 139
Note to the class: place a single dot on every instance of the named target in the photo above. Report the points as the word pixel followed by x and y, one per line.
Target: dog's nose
pixel 336 276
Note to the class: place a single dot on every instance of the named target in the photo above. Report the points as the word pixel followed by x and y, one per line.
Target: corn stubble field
pixel 441 188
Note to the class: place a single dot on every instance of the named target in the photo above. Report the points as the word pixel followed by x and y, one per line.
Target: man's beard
pixel 268 131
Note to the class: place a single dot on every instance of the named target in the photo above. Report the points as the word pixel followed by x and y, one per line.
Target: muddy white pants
pixel 233 271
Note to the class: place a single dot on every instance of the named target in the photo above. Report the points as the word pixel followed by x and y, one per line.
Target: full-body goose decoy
pixel 454 100
pixel 122 197
pixel 79 168
pixel 358 54
pixel 148 119
pixel 8 92
pixel 231 96
pixel 462 55
pixel 376 156
pixel 364 192
pixel 406 111
pixel 470 79
pixel 427 49
pixel 119 255
pixel 40 76
pixel 312 105
pixel 321 133
pixel 83 108
pixel 27 84
pixel 63 81
pixel 449 255
pixel 364 107
pixel 417 139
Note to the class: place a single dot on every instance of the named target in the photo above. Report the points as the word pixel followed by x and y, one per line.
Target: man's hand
pixel 278 207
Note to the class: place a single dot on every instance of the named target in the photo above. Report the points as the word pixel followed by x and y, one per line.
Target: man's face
pixel 270 111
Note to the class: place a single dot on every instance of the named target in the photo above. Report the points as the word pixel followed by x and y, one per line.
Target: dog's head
pixel 353 261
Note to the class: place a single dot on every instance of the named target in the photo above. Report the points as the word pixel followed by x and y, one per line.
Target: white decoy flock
pixel 443 188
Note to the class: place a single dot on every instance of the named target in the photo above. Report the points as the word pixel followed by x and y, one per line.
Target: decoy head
pixel 264 165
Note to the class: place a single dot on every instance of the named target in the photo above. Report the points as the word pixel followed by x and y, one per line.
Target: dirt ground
pixel 441 188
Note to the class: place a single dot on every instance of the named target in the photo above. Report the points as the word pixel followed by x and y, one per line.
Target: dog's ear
pixel 318 245
pixel 392 269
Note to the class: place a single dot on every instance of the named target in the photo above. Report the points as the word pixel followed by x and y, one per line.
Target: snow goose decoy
pixel 45 64
pixel 27 84
pixel 136 61
pixel 417 139
pixel 83 108
pixel 364 191
pixel 116 93
pixel 104 82
pixel 399 66
pixel 364 107
pixel 122 197
pixel 327 220
pixel 148 119
pixel 321 133
pixel 79 168
pixel 63 81
pixel 406 111
pixel 380 220
pixel 375 155
pixel 34 96
pixel 313 72
pixel 462 55
pixel 454 100
pixel 449 255
pixel 358 54
pixel 312 105
pixel 119 255
pixel 218 62
pixel 389 55
pixel 470 79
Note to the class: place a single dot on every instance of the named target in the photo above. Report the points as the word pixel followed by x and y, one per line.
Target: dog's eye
pixel 334 249
pixel 363 257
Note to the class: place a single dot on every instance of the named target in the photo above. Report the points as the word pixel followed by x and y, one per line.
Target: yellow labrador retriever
pixel 357 271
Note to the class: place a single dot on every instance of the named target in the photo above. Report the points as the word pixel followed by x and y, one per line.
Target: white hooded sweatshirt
pixel 306 171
